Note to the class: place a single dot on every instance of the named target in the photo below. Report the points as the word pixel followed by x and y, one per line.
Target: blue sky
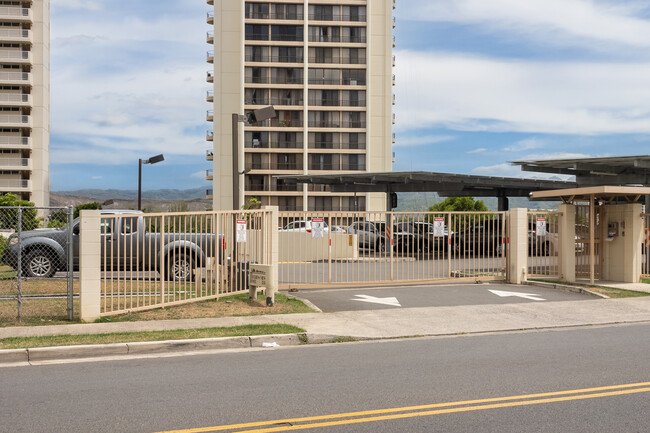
pixel 479 83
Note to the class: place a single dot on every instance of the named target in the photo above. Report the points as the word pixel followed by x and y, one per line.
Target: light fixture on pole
pixel 254 116
pixel 152 160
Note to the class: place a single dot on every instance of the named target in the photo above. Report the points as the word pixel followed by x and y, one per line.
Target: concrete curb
pixel 566 288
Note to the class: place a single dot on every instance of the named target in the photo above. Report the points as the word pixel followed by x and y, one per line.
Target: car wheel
pixel 381 247
pixel 39 264
pixel 181 267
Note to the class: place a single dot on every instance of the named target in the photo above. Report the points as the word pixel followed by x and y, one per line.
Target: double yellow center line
pixel 425 410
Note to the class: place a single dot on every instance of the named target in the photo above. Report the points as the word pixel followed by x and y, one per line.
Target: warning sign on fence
pixel 241 231
pixel 317 228
pixel 540 230
pixel 438 227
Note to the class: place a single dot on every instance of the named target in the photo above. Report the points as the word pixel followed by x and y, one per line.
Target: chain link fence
pixel 37 255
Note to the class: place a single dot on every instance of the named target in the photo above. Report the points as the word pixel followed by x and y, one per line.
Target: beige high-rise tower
pixel 326 67
pixel 25 99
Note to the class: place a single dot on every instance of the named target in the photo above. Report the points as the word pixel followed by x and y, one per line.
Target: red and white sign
pixel 317 228
pixel 241 231
pixel 438 227
pixel 540 229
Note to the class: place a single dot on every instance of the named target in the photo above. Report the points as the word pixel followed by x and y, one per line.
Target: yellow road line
pixel 479 405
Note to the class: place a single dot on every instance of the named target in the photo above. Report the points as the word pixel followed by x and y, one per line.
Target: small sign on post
pixel 241 231
pixel 317 228
pixel 540 229
pixel 438 227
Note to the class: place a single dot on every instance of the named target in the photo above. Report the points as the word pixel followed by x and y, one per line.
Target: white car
pixel 301 226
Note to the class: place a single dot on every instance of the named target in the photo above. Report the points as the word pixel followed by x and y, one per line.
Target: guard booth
pixel 603 232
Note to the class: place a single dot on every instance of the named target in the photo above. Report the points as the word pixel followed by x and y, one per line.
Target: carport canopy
pixel 445 184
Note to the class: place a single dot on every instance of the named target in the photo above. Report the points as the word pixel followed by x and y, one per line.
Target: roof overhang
pixel 445 184
pixel 604 193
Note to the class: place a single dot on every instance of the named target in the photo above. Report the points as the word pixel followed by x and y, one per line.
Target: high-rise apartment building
pixel 326 67
pixel 25 99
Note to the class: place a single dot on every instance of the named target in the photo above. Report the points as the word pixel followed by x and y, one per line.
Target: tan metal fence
pixel 543 244
pixel 583 244
pixel 645 256
pixel 153 260
pixel 360 248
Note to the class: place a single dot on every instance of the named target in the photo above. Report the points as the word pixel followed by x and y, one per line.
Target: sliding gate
pixel 319 249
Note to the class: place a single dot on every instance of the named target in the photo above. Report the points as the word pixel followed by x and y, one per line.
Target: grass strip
pixel 612 292
pixel 132 337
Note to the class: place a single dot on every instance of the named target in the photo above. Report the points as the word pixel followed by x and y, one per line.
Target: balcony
pixel 15 77
pixel 15 164
pixel 208 194
pixel 210 56
pixel 265 58
pixel 209 96
pixel 15 185
pixel 209 38
pixel 359 18
pixel 15 121
pixel 209 175
pixel 260 187
pixel 209 155
pixel 293 16
pixel 393 59
pixel 338 39
pixel 393 118
pixel 273 166
pixel 337 81
pixel 15 35
pixel 15 100
pixel 284 123
pixel 209 116
pixel 393 138
pixel 15 14
pixel 209 77
pixel 287 101
pixel 210 18
pixel 340 60
pixel 341 102
pixel 393 100
pixel 394 41
pixel 273 145
pixel 9 142
pixel 393 79
pixel 209 136
pixel 15 56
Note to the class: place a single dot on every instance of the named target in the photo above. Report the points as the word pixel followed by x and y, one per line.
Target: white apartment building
pixel 25 99
pixel 326 67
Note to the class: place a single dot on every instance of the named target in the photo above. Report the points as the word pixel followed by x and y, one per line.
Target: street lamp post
pixel 260 115
pixel 152 160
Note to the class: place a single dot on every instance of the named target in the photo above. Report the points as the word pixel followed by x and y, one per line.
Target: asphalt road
pixel 162 394
pixel 336 299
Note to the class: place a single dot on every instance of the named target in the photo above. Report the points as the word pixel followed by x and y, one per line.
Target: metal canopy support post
pixel 592 238
pixel 503 202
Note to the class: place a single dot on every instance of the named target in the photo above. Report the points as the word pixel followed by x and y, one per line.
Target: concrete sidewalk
pixel 398 322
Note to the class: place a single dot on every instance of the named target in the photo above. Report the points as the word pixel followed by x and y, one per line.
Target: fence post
pixel 274 250
pixel 19 270
pixel 518 267
pixel 567 243
pixel 90 265
pixel 70 213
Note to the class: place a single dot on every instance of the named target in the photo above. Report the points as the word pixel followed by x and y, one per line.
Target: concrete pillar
pixel 566 243
pixel 518 253
pixel 622 252
pixel 274 238
pixel 89 265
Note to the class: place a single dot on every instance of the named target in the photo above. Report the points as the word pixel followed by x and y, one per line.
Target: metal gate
pixel 585 251
pixel 153 260
pixel 360 248
pixel 645 251
pixel 36 276
pixel 543 244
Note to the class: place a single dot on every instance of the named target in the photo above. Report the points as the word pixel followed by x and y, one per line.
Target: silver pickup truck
pixel 126 244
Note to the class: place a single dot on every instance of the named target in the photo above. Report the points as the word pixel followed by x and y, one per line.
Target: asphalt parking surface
pixel 443 295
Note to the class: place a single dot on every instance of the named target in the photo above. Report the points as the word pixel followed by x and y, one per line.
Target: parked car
pixel 401 240
pixel 126 243
pixel 339 229
pixel 369 236
pixel 485 237
pixel 428 241
pixel 301 226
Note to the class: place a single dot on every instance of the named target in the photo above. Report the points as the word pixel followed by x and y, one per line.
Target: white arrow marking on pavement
pixel 384 301
pixel 504 294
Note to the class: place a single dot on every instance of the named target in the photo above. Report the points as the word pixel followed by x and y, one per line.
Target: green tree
pixel 9 217
pixel 253 203
pixel 459 204
pixel 92 206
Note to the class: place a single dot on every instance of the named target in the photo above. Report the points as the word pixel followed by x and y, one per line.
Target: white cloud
pixel 479 150
pixel 557 21
pixel 470 93
pixel 527 144
pixel 422 140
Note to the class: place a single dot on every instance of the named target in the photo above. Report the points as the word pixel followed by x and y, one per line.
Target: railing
pixel 324 123
pixel 209 153
pixel 209 55
pixel 260 187
pixel 15 55
pixel 337 81
pixel 285 123
pixel 14 141
pixel 14 118
pixel 14 76
pixel 273 145
pixel 15 12
pixel 353 167
pixel 257 36
pixel 14 33
pixel 543 244
pixel 15 183
pixel 340 39
pixel 15 97
pixel 209 95
pixel 14 162
pixel 341 102
pixel 257 80
pixel 270 165
pixel 273 59
pixel 257 101
pixel 358 248
pixel 286 80
pixel 209 173
pixel 287 38
pixel 337 59
pixel 286 101
pixel 208 193
pixel 337 17
pixel 210 259
pixel 274 16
